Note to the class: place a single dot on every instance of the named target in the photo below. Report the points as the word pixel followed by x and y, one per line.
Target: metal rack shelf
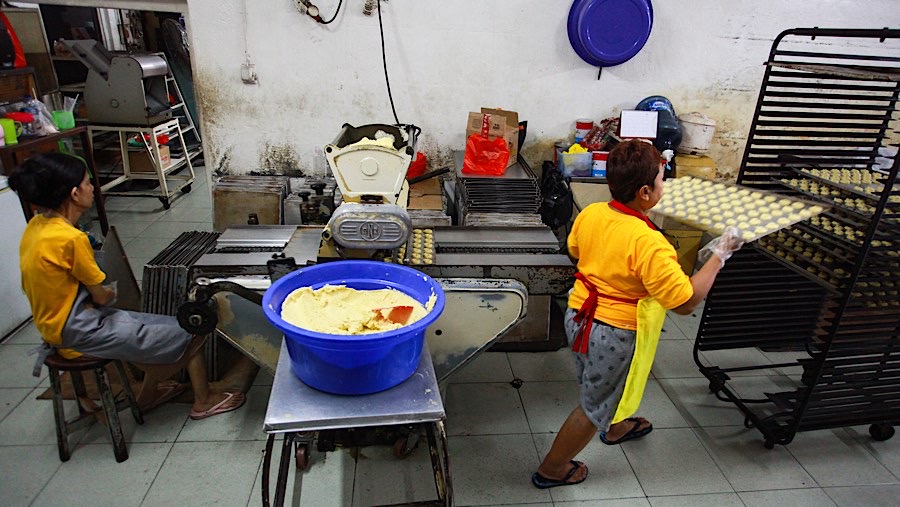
pixel 828 288
pixel 170 177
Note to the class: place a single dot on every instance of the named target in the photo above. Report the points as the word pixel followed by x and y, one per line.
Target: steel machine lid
pixel 361 167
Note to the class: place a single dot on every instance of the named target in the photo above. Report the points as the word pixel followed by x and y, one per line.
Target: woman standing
pixel 628 275
pixel 69 302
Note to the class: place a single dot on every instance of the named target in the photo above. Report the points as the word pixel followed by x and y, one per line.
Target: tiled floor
pixel 699 454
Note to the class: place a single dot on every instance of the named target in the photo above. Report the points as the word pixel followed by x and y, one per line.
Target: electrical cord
pixel 384 61
pixel 338 10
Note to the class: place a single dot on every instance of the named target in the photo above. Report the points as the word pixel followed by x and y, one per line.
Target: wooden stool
pixel 56 364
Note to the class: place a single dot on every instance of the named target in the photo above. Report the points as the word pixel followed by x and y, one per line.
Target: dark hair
pixel 631 165
pixel 47 179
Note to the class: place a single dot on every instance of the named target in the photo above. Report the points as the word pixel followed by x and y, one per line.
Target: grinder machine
pixel 488 273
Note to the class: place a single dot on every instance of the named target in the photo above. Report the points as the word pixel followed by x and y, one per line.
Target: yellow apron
pixel 650 318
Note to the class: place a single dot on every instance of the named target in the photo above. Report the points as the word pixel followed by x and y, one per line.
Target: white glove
pixel 722 247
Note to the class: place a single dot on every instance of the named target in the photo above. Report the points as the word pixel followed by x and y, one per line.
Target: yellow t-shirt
pixel 54 257
pixel 624 258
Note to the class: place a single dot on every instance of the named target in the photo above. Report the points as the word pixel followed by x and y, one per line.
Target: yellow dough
pixel 338 309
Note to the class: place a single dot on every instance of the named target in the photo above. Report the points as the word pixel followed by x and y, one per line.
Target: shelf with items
pixel 832 283
pixel 149 161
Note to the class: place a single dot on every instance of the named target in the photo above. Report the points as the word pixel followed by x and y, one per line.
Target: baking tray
pixel 712 206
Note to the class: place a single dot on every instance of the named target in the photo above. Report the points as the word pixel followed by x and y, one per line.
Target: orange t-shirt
pixel 624 258
pixel 54 258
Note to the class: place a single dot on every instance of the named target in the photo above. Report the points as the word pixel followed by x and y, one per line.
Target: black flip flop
pixel 542 482
pixel 633 433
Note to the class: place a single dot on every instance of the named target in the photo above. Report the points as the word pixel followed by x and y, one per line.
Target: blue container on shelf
pixel 354 364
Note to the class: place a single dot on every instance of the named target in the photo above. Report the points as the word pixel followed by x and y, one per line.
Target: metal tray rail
pixel 827 289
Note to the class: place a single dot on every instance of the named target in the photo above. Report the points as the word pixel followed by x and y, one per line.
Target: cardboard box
pixel 139 161
pixel 431 186
pixel 430 201
pixel 503 123
pixel 687 244
pixel 686 240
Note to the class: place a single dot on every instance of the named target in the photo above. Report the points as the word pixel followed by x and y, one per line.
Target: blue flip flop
pixel 542 482
pixel 633 433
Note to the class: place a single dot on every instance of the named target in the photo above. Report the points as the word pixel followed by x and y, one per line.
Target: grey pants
pixel 603 370
pixel 109 333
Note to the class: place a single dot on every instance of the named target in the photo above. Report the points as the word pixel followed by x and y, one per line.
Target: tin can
pixel 598 164
pixel 582 127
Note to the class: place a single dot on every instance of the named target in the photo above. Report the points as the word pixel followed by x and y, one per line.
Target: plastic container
pixel 354 364
pixel 598 166
pixel 33 107
pixel 698 132
pixel 575 164
pixel 64 120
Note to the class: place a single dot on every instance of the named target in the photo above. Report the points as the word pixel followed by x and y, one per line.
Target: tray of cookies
pixel 713 206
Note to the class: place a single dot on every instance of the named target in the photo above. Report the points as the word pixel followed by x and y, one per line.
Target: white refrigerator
pixel 14 304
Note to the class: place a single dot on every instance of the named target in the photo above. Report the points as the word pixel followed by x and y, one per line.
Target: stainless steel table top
pixel 294 406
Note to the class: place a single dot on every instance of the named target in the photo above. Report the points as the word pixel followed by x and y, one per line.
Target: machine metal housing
pixel 126 89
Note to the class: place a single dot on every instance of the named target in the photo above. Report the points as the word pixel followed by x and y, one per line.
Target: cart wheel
pixel 401 448
pixel 186 189
pixel 301 457
pixel 748 423
pixel 165 203
pixel 769 444
pixel 881 432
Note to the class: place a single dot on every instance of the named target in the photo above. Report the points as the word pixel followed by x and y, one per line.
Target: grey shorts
pixel 110 333
pixel 603 370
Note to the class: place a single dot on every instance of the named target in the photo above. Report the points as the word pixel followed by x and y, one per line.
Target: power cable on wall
pixel 384 61
pixel 336 12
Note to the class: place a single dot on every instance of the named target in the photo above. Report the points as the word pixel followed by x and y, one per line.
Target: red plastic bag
pixel 19 60
pixel 485 155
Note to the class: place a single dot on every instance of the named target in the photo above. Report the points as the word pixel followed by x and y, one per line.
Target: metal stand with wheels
pixel 302 414
pixel 170 176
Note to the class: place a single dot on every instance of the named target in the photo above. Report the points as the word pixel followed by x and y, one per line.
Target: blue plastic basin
pixel 354 364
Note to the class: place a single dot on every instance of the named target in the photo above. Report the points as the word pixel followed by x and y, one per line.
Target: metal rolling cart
pixel 300 413
pixel 169 174
pixel 825 289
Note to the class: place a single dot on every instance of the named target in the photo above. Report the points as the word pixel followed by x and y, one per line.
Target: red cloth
pixel 616 205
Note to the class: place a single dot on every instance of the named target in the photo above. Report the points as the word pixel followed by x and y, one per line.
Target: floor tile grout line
pixel 866 446
pixel 156 475
pixel 719 467
pixel 33 389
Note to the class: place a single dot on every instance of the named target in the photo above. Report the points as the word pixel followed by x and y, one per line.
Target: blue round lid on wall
pixel 609 32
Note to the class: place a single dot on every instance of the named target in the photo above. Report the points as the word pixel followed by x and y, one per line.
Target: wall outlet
pixel 248 74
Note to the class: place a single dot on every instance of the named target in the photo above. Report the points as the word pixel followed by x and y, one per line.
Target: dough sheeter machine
pixel 487 273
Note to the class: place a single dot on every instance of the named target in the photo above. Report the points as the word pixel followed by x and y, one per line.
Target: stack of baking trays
pixel 165 279
pixel 516 191
pixel 503 220
pixel 249 199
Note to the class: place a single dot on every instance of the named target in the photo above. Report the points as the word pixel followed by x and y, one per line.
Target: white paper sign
pixel 638 124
